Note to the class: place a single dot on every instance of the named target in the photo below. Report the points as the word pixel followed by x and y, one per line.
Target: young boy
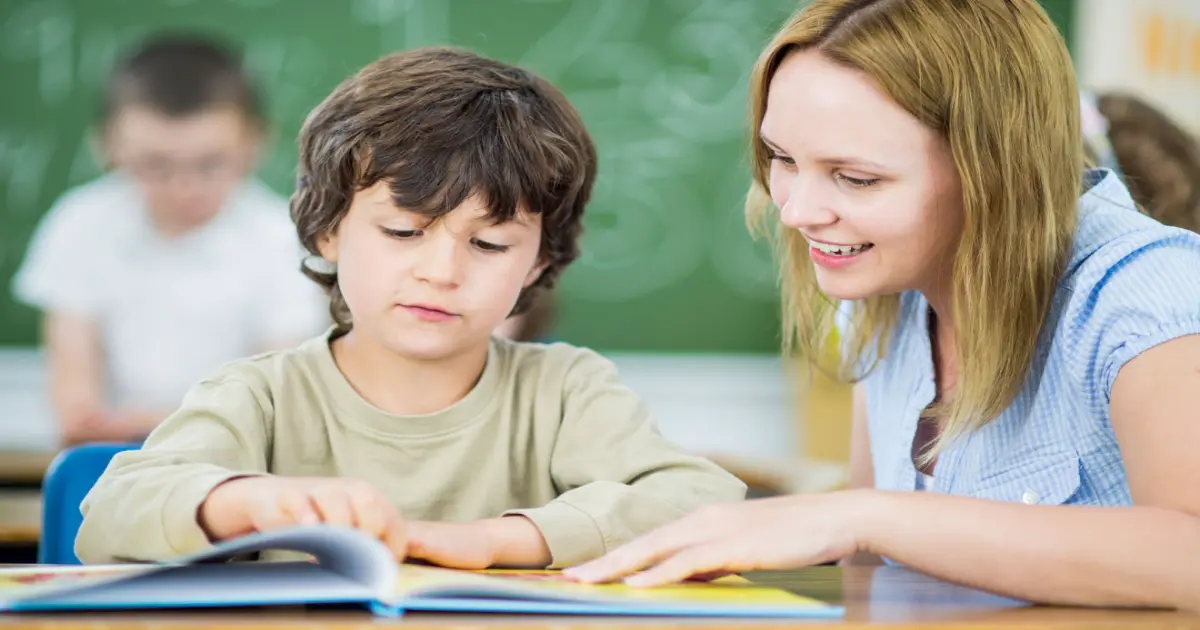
pixel 439 190
pixel 176 262
pixel 536 323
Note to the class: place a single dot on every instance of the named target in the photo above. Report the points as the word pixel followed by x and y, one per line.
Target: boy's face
pixel 436 290
pixel 186 167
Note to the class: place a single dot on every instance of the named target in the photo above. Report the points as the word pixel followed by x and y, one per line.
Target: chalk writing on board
pixel 100 46
pixel 405 24
pixel 24 157
pixel 657 216
pixel 252 4
pixel 42 31
pixel 377 12
pixel 288 68
pixel 707 101
pixel 578 35
pixel 638 243
pixel 643 232
pixel 98 51
pixel 743 265
pixel 84 165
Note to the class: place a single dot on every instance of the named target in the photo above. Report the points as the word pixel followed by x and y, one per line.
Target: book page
pixel 429 583
pixel 341 550
pixel 18 583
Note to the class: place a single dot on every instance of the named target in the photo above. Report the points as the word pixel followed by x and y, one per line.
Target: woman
pixel 1026 339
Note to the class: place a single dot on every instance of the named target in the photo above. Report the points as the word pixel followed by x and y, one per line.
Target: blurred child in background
pixel 174 262
pixel 1159 161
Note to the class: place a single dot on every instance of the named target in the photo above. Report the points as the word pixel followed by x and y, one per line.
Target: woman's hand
pixel 775 533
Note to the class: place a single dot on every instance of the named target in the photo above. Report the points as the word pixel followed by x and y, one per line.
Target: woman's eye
pixel 856 182
pixel 775 157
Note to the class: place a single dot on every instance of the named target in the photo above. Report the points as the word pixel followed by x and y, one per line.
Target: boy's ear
pixel 534 274
pixel 258 137
pixel 98 145
pixel 327 245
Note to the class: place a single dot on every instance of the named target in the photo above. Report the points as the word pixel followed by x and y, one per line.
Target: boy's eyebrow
pixel 519 219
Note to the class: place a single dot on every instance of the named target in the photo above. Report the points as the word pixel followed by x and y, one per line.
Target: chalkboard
pixel 667 263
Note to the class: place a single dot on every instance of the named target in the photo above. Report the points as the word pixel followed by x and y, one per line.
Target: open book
pixel 349 567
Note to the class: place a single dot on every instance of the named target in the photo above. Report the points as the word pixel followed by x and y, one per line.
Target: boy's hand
pixel 454 545
pixel 250 504
pixel 508 541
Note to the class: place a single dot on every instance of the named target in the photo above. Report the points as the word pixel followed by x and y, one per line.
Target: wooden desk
pixel 871 595
pixel 24 467
pixel 20 516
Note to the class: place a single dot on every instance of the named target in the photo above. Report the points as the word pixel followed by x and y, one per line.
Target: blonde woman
pixel 1027 341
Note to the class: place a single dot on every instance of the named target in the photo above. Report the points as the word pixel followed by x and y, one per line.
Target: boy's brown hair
pixel 178 74
pixel 439 125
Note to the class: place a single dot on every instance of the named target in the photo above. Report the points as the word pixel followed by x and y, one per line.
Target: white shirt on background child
pixel 171 310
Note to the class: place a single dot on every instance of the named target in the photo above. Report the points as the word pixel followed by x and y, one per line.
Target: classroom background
pixel 670 284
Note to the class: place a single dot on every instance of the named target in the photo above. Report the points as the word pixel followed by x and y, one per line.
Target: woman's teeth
pixel 841 250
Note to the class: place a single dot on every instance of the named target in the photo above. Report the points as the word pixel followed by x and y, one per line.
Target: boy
pixel 173 264
pixel 440 190
pixel 535 324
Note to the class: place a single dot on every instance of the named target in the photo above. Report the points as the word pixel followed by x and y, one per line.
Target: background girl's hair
pixel 1158 159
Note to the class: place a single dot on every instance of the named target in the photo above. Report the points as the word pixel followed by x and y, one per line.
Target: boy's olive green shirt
pixel 548 432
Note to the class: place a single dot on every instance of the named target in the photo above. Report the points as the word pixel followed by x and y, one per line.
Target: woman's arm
pixel 862 472
pixel 1147 555
pixel 1097 556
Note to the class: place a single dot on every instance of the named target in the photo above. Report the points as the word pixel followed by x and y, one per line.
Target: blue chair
pixel 68 479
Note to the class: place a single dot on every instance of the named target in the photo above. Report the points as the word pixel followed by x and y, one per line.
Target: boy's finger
pixel 395 536
pixel 294 507
pixel 368 514
pixel 332 505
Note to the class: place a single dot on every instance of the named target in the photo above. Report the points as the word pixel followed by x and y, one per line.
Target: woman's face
pixel 873 190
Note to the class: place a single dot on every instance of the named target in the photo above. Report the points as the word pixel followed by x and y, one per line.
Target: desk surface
pixel 20 516
pixel 871 595
pixel 24 467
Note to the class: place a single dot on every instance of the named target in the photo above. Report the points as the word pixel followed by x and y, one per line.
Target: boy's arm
pixel 64 277
pixel 145 505
pixel 75 358
pixel 620 478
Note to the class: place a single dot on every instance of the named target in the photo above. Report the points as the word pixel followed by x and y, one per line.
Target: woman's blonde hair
pixel 994 79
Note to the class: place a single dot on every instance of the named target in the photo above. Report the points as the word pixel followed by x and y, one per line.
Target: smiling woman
pixel 1025 342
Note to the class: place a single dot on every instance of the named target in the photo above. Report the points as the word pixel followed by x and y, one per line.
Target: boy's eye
pixel 400 234
pixel 490 247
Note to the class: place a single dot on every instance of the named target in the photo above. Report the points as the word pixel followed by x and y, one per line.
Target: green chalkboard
pixel 667 264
